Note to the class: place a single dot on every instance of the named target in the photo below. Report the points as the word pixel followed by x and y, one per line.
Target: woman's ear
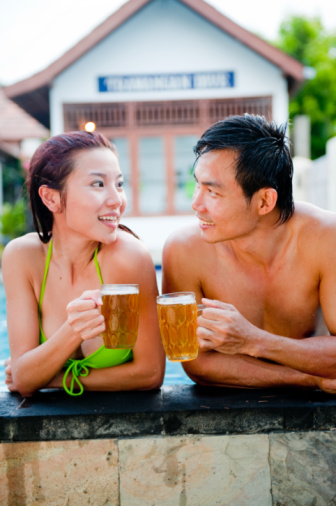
pixel 268 198
pixel 51 198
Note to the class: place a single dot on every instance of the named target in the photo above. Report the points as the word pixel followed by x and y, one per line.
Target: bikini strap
pixel 97 265
pixel 45 276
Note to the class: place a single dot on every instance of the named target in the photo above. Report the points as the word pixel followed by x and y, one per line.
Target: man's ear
pixel 268 198
pixel 51 198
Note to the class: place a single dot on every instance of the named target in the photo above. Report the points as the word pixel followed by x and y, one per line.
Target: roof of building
pixel 16 125
pixel 32 94
pixel 9 150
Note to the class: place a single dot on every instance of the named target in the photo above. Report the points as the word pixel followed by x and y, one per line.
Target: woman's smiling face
pixel 94 198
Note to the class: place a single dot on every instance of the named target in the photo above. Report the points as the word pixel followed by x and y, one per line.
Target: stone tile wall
pixel 288 468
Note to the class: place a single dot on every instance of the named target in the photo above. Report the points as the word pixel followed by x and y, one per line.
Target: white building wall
pixel 314 181
pixel 167 37
pixel 331 171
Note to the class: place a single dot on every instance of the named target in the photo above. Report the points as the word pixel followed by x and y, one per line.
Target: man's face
pixel 220 205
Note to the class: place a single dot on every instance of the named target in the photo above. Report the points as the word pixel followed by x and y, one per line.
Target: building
pixel 153 77
pixel 20 134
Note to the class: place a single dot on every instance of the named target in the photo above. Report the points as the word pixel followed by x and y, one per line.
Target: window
pixel 152 190
pixel 155 143
pixel 121 143
pixel 183 163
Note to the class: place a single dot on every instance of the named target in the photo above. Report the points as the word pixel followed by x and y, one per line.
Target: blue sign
pixel 164 82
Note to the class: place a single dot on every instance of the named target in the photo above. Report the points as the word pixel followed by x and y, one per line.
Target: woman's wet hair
pixel 263 156
pixel 51 165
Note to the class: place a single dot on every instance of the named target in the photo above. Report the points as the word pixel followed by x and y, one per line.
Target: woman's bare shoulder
pixel 25 249
pixel 127 250
pixel 131 245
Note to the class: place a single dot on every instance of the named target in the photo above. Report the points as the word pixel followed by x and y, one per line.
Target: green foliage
pixel 306 40
pixel 13 220
pixel 190 183
pixel 12 180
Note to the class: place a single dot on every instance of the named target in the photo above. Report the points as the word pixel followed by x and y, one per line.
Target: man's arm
pixel 181 264
pixel 241 371
pixel 223 329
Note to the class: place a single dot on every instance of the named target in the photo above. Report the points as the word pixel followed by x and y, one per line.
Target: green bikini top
pixel 101 358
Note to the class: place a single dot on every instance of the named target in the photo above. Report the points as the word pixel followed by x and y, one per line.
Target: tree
pixel 12 220
pixel 306 40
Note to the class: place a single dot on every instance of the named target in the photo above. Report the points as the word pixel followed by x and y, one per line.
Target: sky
pixel 34 33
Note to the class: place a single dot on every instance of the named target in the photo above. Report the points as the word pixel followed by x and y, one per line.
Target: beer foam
pixel 179 299
pixel 119 289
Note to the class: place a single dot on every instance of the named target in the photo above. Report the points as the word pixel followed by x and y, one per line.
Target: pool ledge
pixel 180 445
pixel 52 415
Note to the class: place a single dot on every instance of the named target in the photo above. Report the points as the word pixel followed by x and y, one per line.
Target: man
pixel 264 268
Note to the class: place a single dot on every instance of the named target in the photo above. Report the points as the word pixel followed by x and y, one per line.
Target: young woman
pixel 53 277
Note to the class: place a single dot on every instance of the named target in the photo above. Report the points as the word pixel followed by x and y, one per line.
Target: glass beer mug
pixel 178 323
pixel 121 312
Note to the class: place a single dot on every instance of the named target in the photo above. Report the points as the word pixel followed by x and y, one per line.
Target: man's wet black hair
pixel 263 156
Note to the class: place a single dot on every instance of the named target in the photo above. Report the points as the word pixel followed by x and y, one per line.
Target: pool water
pixel 174 375
pixel 4 348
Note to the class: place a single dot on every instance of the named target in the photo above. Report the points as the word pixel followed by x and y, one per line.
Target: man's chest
pixel 283 300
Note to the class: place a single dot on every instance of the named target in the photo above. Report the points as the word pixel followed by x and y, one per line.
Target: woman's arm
pixel 146 370
pixel 33 366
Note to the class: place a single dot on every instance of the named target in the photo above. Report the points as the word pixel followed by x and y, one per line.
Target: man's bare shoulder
pixel 185 239
pixel 183 261
pixel 313 223
pixel 314 214
pixel 315 233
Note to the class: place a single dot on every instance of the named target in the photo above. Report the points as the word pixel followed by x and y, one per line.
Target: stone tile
pixel 59 473
pixel 233 420
pixel 195 470
pixel 303 468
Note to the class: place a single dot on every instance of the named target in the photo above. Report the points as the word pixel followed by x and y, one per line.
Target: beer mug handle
pixel 200 308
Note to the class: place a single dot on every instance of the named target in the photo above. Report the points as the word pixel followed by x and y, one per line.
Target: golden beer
pixel 178 323
pixel 121 312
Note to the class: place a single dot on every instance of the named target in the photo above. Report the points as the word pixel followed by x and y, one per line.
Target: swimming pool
pixel 174 375
pixel 4 348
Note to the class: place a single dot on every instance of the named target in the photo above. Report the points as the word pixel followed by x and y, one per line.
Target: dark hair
pixel 51 165
pixel 263 159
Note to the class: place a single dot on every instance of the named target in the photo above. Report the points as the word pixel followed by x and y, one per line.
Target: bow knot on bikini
pixel 77 368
